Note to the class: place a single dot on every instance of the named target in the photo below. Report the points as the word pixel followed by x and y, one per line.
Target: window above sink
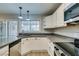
pixel 29 26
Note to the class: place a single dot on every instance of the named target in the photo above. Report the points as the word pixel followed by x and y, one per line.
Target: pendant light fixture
pixel 27 15
pixel 20 15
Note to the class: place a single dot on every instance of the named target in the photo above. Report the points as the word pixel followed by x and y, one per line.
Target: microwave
pixel 72 13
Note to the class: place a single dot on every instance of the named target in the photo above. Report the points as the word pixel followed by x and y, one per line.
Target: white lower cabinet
pixel 15 50
pixel 4 51
pixel 23 46
pixel 33 43
pixel 27 45
pixel 51 49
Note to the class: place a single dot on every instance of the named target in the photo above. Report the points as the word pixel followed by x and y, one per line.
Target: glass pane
pixel 0 32
pixel 4 39
pixel 25 28
pixel 34 28
pixel 34 25
pixel 38 28
pixel 4 29
pixel 3 32
pixel 29 26
pixel 37 22
pixel 0 28
pixel 34 22
pixel 0 40
pixel 13 28
pixel 11 38
pixel 25 22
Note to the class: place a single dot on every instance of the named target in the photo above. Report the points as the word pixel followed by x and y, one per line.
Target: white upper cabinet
pixel 50 21
pixel 60 16
pixel 56 19
pixel 47 21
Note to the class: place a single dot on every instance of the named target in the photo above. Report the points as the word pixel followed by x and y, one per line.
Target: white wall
pixel 59 38
pixel 69 31
pixel 65 34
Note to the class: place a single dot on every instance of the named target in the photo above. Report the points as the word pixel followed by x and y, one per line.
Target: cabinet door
pixel 51 49
pixel 15 48
pixel 24 47
pixel 54 19
pixel 50 21
pixel 47 22
pixel 44 22
pixel 60 16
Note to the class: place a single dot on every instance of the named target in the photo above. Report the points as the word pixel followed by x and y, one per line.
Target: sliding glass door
pixel 8 31
pixel 3 32
pixel 12 30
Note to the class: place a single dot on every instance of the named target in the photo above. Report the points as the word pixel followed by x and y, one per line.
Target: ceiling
pixel 34 8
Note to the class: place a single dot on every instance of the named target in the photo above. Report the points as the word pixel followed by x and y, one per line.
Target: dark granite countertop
pixel 24 35
pixel 7 43
pixel 33 34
